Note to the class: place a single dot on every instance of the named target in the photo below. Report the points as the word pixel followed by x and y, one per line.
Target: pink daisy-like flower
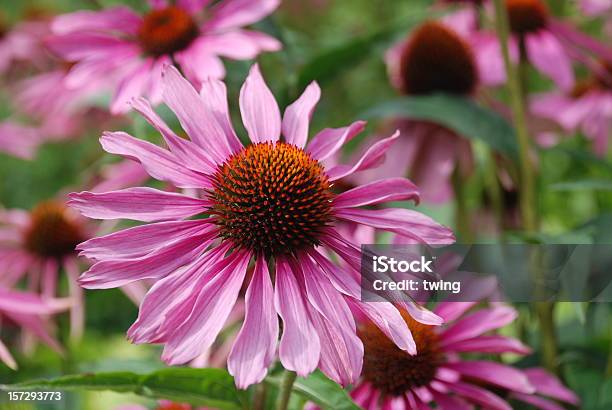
pixel 588 108
pixel 23 43
pixel 41 243
pixel 439 377
pixel 28 311
pixel 427 152
pixel 189 33
pixel 270 202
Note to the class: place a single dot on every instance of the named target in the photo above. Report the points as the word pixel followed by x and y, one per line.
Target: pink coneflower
pixel 40 244
pixel 269 202
pixel 434 58
pixel 191 34
pixel 27 310
pixel 438 376
pixel 23 43
pixel 588 108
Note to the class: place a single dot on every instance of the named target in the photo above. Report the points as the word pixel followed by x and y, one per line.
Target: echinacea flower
pixel 192 34
pixel 439 377
pixel 586 108
pixel 269 202
pixel 434 58
pixel 40 244
pixel 28 311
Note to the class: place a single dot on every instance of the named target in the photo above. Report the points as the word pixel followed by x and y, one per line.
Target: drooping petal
pixel 140 204
pixel 494 373
pixel 139 240
pixel 299 348
pixel 6 358
pixel 546 53
pixel 159 163
pixel 241 44
pixel 478 323
pixel 341 349
pixel 255 344
pixel 259 110
pixel 26 303
pixel 538 402
pixel 296 119
pixel 214 303
pixel 338 276
pixel 494 344
pixel 327 142
pixel 386 190
pixel 214 95
pixel 77 310
pixel 236 13
pixel 131 86
pixel 404 222
pixel 371 158
pixel 199 63
pixel 548 385
pixel 121 19
pixel 200 124
pixel 479 396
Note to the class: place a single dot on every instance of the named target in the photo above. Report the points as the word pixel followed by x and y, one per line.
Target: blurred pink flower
pixel 19 140
pixel 192 34
pixel 40 244
pixel 24 43
pixel 596 7
pixel 587 108
pixel 269 201
pixel 392 379
pixel 28 311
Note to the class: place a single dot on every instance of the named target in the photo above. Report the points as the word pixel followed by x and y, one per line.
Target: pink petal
pixel 18 140
pixel 131 86
pixel 214 95
pixel 478 323
pixel 547 55
pixel 449 402
pixel 479 396
pixel 299 348
pixel 327 142
pixel 494 373
pixel 199 123
pixel 236 13
pixel 341 349
pixel 190 154
pixel 338 276
pixel 491 70
pixel 494 344
pixel 548 385
pixel 199 62
pixel 538 402
pixel 77 311
pixel 214 303
pixel 371 158
pixel 6 358
pixel 259 110
pixel 581 40
pixel 240 44
pixel 159 163
pixel 452 311
pixel 386 190
pixel 26 303
pixel 297 116
pixel 121 19
pixel 193 6
pixel 140 204
pixel 139 240
pixel 157 264
pixel 37 326
pixel 404 222
pixel 255 344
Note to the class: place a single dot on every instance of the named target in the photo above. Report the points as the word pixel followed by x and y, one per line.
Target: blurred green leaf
pixel 583 185
pixel 202 387
pixel 320 390
pixel 459 114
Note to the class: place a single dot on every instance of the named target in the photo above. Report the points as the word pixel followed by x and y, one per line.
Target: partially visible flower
pixel 438 375
pixel 192 34
pixel 269 202
pixel 595 7
pixel 28 311
pixel 435 58
pixel 19 140
pixel 586 108
pixel 23 43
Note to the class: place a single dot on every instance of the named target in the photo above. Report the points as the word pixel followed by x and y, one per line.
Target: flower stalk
pixel 285 390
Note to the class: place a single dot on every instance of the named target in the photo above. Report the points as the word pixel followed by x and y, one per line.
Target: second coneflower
pixel 269 203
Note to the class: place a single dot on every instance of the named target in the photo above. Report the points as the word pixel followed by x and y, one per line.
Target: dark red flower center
pixel 52 233
pixel 166 31
pixel 526 16
pixel 272 198
pixel 436 59
pixel 394 371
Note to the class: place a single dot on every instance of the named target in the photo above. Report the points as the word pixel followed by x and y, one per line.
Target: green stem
pixel 259 397
pixel 285 390
pixel 528 204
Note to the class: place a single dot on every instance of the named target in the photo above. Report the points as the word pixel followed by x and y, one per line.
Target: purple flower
pixel 269 202
pixel 192 34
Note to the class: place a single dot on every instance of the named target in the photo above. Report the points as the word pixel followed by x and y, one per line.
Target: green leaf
pixel 583 185
pixel 320 390
pixel 459 114
pixel 202 387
